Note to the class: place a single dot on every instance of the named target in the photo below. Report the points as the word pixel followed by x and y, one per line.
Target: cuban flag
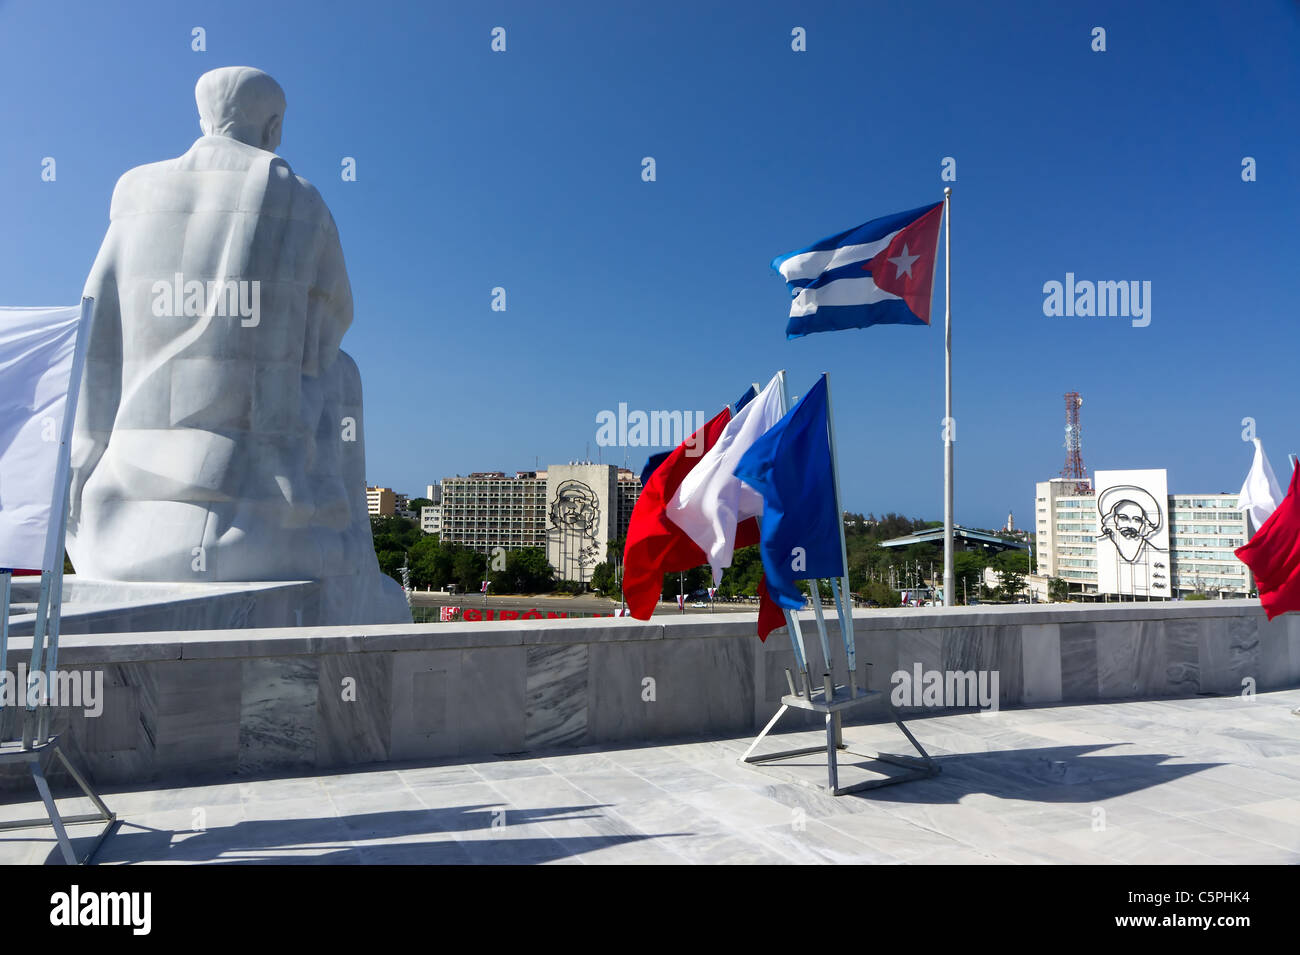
pixel 880 273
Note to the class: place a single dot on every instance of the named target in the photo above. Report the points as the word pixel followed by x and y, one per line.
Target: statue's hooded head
pixel 241 103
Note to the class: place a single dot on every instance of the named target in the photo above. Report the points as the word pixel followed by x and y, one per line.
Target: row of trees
pixel 431 563
pixel 875 572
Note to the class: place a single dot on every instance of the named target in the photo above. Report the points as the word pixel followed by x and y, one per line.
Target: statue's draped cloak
pixel 219 447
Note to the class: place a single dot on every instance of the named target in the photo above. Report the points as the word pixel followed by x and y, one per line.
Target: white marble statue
pixel 219 429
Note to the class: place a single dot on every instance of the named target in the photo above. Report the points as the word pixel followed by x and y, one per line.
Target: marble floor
pixel 1200 781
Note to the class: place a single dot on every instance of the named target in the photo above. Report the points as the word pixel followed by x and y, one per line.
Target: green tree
pixel 868 561
pixel 882 594
pixel 424 557
pixel 393 538
pixel 526 572
pixel 1058 589
pixel 914 564
pixel 468 569
pixel 692 580
pixel 968 570
pixel 742 577
pixel 390 562
pixel 1011 565
pixel 602 578
pixel 393 533
pixel 1014 561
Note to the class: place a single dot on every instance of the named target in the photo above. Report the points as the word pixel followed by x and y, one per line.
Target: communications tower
pixel 1074 469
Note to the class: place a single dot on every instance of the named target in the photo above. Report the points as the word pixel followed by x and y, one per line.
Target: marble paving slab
pixel 1096 784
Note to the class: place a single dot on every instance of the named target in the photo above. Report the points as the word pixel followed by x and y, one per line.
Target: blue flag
pixel 790 466
pixel 652 465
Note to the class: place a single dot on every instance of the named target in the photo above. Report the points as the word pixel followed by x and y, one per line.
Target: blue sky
pixel 522 170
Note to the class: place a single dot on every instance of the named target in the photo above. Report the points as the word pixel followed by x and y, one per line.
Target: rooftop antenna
pixel 1074 469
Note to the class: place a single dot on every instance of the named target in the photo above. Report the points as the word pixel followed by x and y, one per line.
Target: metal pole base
pixel 834 708
pixel 13 752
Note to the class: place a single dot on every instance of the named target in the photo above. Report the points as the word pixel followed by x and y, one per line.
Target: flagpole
pixel 792 617
pixel 49 606
pixel 6 576
pixel 948 578
pixel 845 608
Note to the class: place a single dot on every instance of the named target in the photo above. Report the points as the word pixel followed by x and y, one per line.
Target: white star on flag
pixel 904 263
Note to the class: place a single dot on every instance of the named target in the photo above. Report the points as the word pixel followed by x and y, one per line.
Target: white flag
pixel 36 349
pixel 711 500
pixel 1260 495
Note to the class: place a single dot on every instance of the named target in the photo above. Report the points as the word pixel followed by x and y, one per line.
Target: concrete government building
pixel 431 514
pixel 1126 537
pixel 571 511
pixel 381 501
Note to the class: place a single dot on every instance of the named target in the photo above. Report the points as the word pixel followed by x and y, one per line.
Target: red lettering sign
pixel 474 613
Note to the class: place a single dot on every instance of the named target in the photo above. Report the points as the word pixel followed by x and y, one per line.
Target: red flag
pixel 906 266
pixel 1273 555
pixel 770 614
pixel 656 546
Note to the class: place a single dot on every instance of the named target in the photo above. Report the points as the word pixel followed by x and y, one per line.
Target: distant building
pixel 629 491
pixel 430 516
pixel 488 509
pixel 381 501
pixel 1129 538
pixel 570 511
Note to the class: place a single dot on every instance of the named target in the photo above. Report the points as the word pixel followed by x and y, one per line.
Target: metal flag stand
pixel 37 746
pixel 830 700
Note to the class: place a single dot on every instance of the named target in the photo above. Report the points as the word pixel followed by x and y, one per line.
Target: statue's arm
pixel 329 305
pixel 101 382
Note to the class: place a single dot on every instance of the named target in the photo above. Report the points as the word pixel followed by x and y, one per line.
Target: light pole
pixel 618 577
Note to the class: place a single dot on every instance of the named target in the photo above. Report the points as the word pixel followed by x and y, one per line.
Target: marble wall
pixel 96 606
pixel 246 702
